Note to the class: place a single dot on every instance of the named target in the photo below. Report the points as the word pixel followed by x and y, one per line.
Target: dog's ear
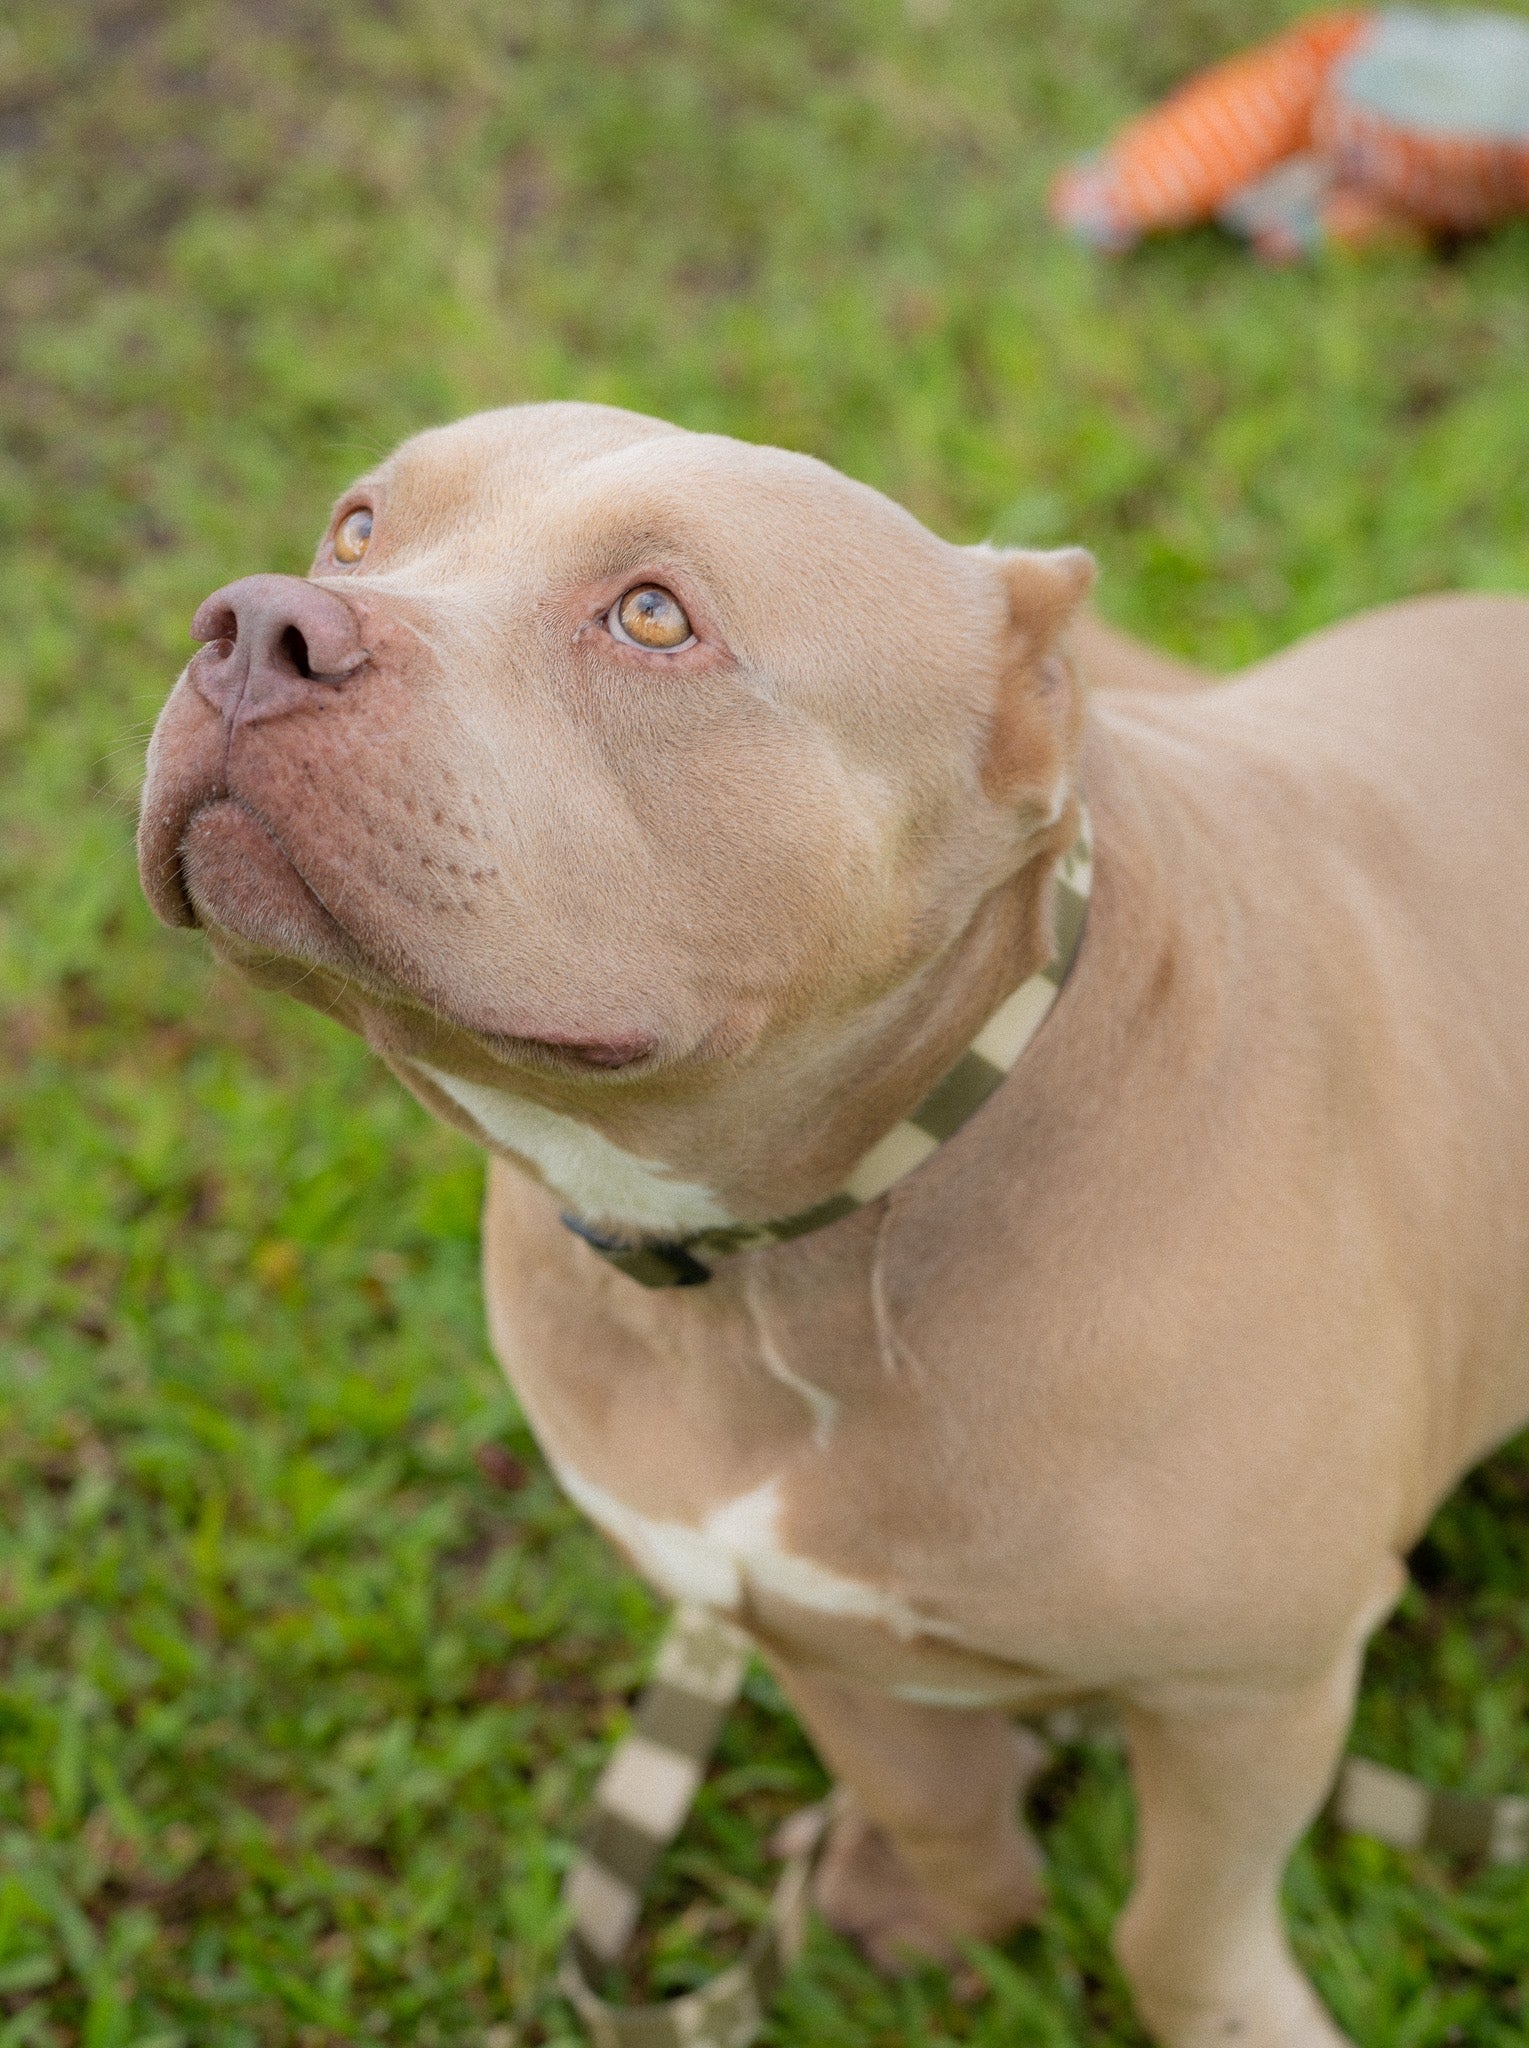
pixel 1038 704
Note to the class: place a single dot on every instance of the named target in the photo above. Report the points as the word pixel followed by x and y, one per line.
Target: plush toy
pixel 1349 125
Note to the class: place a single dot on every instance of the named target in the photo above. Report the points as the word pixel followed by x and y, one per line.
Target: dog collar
pixel 958 1095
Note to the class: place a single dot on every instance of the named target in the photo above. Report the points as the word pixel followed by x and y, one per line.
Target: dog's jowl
pixel 1010 1164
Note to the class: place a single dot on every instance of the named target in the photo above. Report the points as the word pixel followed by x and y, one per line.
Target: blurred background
pixel 304 1666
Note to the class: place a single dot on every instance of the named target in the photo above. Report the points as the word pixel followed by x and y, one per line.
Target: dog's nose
pixel 273 644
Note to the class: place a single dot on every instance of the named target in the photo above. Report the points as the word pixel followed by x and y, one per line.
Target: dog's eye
pixel 352 535
pixel 648 616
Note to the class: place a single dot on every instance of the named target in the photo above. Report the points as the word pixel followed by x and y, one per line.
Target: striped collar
pixel 959 1094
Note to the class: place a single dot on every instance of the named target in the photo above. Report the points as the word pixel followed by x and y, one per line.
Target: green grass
pixel 303 1664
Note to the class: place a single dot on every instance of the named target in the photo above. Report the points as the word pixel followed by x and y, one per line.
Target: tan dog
pixel 670 813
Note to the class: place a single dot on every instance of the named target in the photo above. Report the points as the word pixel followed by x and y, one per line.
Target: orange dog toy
pixel 1348 122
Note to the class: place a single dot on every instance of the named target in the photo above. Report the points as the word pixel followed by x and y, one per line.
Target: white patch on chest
pixel 598 1180
pixel 738 1543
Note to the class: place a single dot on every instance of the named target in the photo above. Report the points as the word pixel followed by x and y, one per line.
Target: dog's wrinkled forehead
pixel 497 475
pixel 803 565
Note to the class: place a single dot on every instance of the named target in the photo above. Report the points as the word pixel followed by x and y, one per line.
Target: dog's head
pixel 594 755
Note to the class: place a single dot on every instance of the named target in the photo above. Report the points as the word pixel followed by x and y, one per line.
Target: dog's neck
pixel 831 1126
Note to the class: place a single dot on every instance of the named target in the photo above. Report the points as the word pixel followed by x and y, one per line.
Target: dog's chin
pixel 239 882
pixel 262 916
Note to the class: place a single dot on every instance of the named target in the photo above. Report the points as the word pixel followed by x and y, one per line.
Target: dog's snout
pixel 270 644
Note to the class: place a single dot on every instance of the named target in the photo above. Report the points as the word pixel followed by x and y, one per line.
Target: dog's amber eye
pixel 352 535
pixel 649 617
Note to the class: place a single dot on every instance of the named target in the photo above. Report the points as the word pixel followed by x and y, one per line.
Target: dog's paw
pixel 866 1892
pixel 1272 2008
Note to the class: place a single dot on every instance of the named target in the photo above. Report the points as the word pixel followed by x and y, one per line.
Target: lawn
pixel 304 1664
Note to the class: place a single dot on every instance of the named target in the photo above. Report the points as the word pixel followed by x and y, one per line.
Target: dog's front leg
pixel 927 1847
pixel 1224 1788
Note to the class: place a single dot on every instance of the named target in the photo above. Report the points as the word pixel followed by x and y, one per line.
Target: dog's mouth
pixel 231 874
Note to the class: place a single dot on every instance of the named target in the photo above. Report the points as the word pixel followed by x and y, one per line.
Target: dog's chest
pixel 736 1561
pixel 735 1550
pixel 814 1558
pixel 777 1474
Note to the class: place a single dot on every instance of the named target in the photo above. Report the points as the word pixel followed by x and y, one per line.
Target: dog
pixel 672 815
